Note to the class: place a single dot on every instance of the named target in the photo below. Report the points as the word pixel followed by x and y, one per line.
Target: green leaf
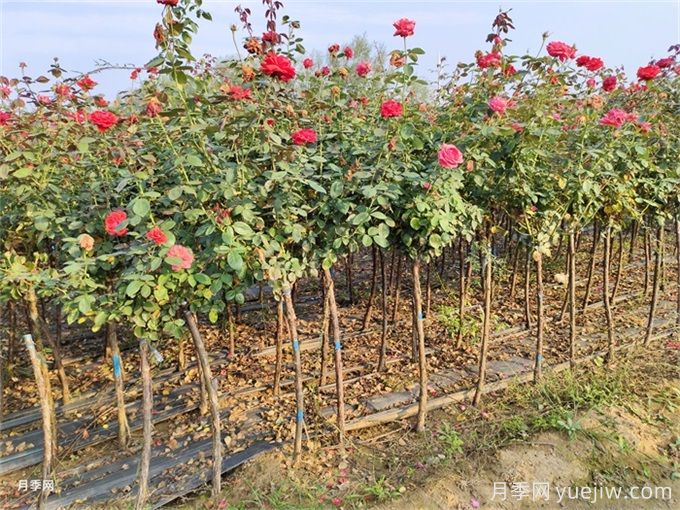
pixel 235 261
pixel 193 160
pixel 202 278
pixel 22 172
pixel 141 207
pixel 242 228
pixel 133 287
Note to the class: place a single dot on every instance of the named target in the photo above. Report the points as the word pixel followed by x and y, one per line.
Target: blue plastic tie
pixel 296 345
pixel 420 316
pixel 116 366
pixel 539 358
pixel 338 345
pixel 300 415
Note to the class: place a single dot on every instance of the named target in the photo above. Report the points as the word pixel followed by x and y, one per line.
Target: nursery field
pixel 335 275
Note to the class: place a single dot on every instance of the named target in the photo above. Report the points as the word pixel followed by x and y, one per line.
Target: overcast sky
pixel 79 32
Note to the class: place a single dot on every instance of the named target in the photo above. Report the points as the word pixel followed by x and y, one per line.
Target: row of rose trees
pixel 207 177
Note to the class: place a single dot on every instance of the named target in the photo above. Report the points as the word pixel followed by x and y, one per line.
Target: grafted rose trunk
pixel 42 331
pixel 337 348
pixel 44 392
pixel 119 381
pixel 299 393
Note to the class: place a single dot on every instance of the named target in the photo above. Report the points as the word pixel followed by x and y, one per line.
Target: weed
pixel 453 443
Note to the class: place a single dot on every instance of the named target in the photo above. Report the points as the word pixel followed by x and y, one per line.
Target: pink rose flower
pixel 183 253
pixel 449 156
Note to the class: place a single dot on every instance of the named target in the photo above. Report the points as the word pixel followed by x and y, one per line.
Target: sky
pixel 81 32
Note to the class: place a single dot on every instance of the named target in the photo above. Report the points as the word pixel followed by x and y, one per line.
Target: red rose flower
pixel 4 118
pixel 277 66
pixel 304 136
pixel 135 73
pixel 509 70
pixel 391 108
pixel 561 50
pixel 333 49
pixel 5 91
pixel 183 253
pixel 307 63
pixel 239 93
pixel 665 62
pixel 86 83
pixel 63 90
pixel 101 102
pixel 363 68
pixel 615 118
pixel 449 156
pixel 609 83
pixel 590 82
pixel 171 3
pixel 157 235
pixel 43 99
pixel 113 221
pixel 404 27
pixel 492 59
pixel 590 63
pixel 348 52
pixel 103 119
pixel 427 186
pixel 648 72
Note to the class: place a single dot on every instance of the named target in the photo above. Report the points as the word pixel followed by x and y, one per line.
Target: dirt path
pixel 610 450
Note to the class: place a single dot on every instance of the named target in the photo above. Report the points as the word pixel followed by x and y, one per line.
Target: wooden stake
pixel 591 267
pixel 325 328
pixel 606 296
pixel 572 298
pixel 216 426
pixel 527 288
pixel 462 289
pixel 147 405
pixel 383 332
pixel 422 360
pixel 539 317
pixel 486 327
pixel 374 276
pixel 655 283
pixel 279 346
pixel 299 393
pixel 339 387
